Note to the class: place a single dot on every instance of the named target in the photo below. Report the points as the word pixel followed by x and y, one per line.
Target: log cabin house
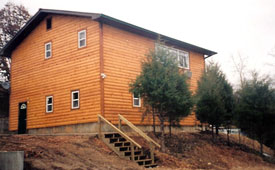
pixel 67 67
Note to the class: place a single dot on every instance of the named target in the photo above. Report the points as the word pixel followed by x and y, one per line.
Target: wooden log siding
pixel 69 68
pixel 123 53
pixel 34 77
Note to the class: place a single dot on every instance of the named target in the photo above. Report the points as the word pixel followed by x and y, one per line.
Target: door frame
pixel 19 105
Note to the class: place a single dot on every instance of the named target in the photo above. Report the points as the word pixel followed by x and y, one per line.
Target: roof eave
pixel 42 13
pixel 144 32
pixel 36 19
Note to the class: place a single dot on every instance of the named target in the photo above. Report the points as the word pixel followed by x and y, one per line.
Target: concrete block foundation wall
pixel 93 128
pixel 4 125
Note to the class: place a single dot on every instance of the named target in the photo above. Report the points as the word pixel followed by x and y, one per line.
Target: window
pixel 49 104
pixel 75 99
pixel 49 23
pixel 48 50
pixel 82 39
pixel 181 56
pixel 183 59
pixel 136 100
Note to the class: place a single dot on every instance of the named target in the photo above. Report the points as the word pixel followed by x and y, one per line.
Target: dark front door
pixel 22 124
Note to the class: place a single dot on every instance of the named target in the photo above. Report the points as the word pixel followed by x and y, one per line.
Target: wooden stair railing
pixel 141 133
pixel 116 129
pixel 132 142
pixel 126 147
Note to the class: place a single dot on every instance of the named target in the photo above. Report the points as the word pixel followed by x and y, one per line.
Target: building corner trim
pixel 101 68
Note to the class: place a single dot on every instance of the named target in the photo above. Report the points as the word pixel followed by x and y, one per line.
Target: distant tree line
pixel 251 108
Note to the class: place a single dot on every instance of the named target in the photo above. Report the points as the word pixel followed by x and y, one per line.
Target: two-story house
pixel 67 67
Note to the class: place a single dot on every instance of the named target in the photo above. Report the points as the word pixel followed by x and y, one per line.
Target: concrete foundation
pixel 90 128
pixel 166 129
pixel 12 160
pixel 4 125
pixel 77 128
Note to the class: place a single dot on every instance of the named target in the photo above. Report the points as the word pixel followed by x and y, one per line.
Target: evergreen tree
pixel 256 111
pixel 214 98
pixel 163 88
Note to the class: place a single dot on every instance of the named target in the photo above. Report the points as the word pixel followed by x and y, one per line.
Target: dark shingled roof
pixel 42 13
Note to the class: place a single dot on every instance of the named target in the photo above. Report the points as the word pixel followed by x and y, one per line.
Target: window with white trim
pixel 48 50
pixel 75 99
pixel 49 104
pixel 136 100
pixel 82 39
pixel 181 56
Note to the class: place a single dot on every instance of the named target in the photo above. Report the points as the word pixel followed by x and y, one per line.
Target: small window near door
pixel 49 104
pixel 75 99
pixel 23 106
pixel 82 39
pixel 136 100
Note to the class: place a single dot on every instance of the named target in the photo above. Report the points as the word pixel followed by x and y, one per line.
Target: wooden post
pixel 119 123
pixel 132 151
pixel 152 150
pixel 99 128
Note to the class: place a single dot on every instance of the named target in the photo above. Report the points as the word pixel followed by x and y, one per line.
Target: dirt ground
pixel 199 151
pixel 184 151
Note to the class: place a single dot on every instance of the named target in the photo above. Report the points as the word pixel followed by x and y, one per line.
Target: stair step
pixel 144 162
pixel 128 153
pixel 140 157
pixel 117 144
pixel 127 148
pixel 108 135
pixel 124 148
pixel 117 139
pixel 112 135
pixel 117 135
pixel 150 166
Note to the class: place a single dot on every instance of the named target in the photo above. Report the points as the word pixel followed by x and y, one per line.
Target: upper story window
pixel 48 50
pixel 75 99
pixel 136 100
pixel 82 39
pixel 181 56
pixel 49 104
pixel 49 23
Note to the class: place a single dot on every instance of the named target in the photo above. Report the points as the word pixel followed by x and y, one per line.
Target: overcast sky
pixel 229 27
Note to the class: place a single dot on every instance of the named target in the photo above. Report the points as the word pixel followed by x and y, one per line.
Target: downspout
pixel 102 75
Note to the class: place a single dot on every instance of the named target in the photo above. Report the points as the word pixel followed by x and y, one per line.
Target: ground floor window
pixel 136 100
pixel 49 104
pixel 75 99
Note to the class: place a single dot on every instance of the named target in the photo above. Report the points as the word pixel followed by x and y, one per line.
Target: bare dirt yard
pixel 184 151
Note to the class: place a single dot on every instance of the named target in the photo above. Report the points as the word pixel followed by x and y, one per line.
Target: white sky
pixel 229 27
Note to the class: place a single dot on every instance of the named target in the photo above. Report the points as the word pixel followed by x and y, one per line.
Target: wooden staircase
pixel 124 146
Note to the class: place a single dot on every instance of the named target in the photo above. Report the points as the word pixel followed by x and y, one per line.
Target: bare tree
pixel 272 55
pixel 12 18
pixel 240 67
